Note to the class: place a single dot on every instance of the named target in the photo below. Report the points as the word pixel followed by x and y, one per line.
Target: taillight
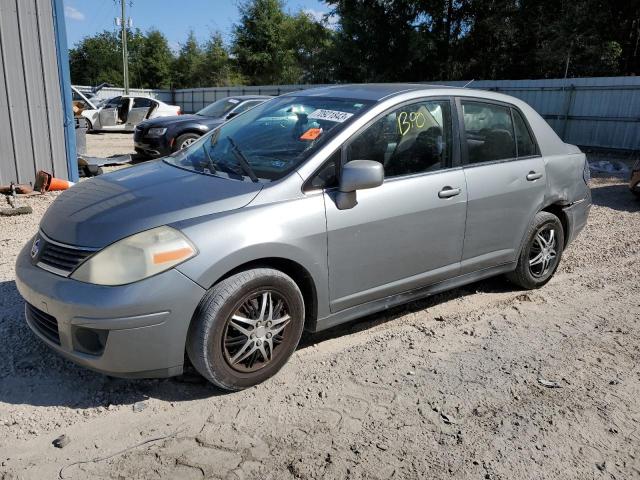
pixel 179 111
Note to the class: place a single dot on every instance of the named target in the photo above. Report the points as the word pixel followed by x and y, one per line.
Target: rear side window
pixel 489 132
pixel 526 145
pixel 141 102
pixel 411 139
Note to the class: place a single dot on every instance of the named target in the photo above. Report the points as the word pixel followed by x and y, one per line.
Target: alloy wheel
pixel 187 142
pixel 543 253
pixel 255 331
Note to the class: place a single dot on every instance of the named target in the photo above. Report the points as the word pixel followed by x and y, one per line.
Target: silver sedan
pixel 305 212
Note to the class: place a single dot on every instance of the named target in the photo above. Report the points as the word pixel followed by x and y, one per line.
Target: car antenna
pixel 469 83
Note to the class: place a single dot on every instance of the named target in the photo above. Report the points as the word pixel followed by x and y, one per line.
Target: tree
pixel 261 46
pixel 155 61
pixel 96 60
pixel 218 68
pixel 376 40
pixel 313 48
pixel 187 67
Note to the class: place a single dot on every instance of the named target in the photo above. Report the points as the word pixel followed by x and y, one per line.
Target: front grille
pixel 62 258
pixel 44 323
pixel 138 133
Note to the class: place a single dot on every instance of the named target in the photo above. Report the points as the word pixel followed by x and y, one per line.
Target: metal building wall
pixel 32 132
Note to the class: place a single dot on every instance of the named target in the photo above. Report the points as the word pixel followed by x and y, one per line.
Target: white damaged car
pixel 122 113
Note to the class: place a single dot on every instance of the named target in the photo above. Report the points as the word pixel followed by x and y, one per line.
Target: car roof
pixel 367 91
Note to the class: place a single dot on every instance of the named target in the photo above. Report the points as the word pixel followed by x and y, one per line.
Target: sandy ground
pixel 447 387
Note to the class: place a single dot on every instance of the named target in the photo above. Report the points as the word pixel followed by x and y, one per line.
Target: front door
pixel 408 232
pixel 109 112
pixel 506 182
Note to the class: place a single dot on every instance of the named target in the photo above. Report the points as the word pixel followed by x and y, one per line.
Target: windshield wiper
pixel 242 161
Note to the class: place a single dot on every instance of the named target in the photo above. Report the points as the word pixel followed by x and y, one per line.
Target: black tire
pixel 185 137
pixel 535 276
pixel 209 339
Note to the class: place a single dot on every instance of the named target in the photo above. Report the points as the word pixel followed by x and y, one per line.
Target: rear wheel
pixel 246 328
pixel 541 253
pixel 184 140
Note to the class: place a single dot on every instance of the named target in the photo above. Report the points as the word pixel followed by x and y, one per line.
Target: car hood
pixel 178 120
pixel 97 212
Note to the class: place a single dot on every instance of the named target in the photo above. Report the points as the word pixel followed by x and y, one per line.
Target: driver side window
pixel 412 139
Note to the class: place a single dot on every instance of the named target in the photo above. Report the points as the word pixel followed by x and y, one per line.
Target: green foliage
pixel 261 46
pixel 381 40
pixel 96 60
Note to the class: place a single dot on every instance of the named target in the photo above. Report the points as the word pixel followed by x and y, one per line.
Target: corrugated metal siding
pixel 594 112
pixel 31 117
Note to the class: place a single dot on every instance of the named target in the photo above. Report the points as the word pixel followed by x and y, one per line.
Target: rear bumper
pixel 143 326
pixel 577 214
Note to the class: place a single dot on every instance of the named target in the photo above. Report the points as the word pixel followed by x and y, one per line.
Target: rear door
pixel 408 232
pixel 139 110
pixel 505 178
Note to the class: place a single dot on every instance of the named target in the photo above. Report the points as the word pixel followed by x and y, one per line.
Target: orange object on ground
pixel 45 182
pixel 311 134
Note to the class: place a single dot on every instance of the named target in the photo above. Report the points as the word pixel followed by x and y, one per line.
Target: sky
pixel 173 18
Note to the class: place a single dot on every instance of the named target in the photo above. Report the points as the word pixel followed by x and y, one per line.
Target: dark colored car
pixel 634 182
pixel 159 137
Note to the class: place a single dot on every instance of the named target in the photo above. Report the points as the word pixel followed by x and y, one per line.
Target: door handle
pixel 533 176
pixel 448 192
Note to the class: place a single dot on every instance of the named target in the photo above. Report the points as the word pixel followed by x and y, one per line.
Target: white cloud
pixel 73 14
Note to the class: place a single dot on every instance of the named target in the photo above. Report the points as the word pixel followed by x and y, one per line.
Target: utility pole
pixel 125 54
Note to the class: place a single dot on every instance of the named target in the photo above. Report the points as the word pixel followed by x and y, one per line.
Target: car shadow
pixel 33 374
pixel 617 197
pixel 491 285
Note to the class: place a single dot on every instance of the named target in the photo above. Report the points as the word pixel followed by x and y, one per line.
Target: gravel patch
pixel 453 386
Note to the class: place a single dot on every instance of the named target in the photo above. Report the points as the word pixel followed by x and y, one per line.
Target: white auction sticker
pixel 233 100
pixel 330 115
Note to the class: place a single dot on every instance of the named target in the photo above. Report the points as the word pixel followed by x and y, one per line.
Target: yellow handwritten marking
pixel 402 122
pixel 416 119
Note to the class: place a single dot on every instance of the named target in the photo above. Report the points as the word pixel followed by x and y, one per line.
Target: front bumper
pixel 634 183
pixel 577 214
pixel 152 146
pixel 144 324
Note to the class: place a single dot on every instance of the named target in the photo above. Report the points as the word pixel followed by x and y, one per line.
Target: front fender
pixel 294 230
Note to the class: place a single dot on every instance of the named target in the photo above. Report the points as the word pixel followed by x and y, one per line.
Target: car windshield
pixel 219 108
pixel 270 140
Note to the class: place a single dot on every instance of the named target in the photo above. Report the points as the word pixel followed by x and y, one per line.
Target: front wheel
pixel 246 328
pixel 541 253
pixel 184 140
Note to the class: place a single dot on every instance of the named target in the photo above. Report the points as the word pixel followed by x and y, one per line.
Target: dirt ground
pixel 447 387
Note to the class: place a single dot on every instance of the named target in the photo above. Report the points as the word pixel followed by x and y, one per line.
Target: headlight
pixel 156 132
pixel 136 257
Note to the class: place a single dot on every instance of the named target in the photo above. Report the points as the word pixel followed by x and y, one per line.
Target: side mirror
pixel 357 175
pixel 231 115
